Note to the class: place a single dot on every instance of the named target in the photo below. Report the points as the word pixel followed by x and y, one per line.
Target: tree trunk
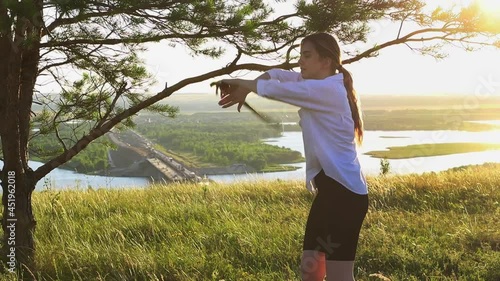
pixel 18 223
pixel 18 71
pixel 17 178
pixel 17 184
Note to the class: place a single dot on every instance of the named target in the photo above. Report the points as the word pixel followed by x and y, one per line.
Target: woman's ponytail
pixel 327 47
pixel 353 104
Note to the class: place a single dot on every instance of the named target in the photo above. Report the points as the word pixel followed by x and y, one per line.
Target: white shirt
pixel 326 122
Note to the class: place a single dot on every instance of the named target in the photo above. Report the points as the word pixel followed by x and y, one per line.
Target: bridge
pixel 137 157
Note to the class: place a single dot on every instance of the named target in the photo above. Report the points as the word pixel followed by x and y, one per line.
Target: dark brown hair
pixel 327 47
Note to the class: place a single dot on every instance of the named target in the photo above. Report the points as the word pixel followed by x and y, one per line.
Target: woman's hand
pixel 232 93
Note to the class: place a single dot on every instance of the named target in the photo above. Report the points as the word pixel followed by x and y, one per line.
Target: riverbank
pixel 419 227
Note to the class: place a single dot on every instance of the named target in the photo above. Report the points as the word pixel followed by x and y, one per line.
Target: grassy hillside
pixel 437 226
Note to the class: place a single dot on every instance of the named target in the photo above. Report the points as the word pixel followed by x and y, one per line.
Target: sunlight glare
pixel 488 6
pixel 490 9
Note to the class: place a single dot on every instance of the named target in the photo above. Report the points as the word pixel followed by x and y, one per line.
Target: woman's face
pixel 312 65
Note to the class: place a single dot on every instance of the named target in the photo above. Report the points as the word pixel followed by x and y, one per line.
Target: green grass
pixel 431 149
pixel 436 226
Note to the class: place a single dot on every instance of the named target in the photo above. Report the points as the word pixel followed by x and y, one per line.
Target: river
pixel 373 140
pixel 380 140
pixel 64 179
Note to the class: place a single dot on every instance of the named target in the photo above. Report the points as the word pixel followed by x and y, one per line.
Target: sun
pixel 489 11
pixel 488 6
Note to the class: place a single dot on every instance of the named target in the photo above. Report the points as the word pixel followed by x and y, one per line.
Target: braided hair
pixel 327 47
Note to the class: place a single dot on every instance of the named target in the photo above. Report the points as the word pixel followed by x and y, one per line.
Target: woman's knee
pixel 313 266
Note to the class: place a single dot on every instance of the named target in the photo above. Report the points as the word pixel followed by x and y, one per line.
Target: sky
pixel 396 71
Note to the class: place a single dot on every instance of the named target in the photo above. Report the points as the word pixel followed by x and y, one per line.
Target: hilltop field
pixel 436 226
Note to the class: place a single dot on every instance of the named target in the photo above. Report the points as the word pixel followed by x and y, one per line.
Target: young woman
pixel 332 128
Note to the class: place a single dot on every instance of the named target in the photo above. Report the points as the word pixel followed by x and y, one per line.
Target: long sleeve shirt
pixel 326 122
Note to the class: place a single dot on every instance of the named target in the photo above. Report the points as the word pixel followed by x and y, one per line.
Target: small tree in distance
pixel 101 39
pixel 385 166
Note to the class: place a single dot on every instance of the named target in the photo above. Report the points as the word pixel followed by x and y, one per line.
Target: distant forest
pixel 194 103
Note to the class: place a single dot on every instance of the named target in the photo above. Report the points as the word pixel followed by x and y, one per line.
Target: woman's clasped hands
pixel 232 93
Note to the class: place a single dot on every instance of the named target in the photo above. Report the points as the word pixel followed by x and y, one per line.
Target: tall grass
pixel 437 226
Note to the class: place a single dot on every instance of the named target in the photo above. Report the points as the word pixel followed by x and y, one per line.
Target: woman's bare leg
pixel 313 266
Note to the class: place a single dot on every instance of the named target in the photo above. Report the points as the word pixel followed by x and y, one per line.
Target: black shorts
pixel 335 220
